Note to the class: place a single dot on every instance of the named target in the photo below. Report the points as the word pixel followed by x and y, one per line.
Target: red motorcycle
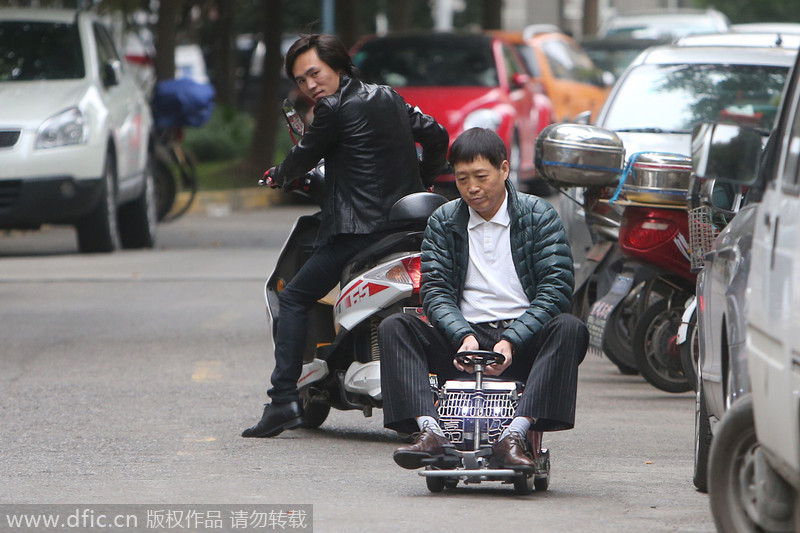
pixel 655 280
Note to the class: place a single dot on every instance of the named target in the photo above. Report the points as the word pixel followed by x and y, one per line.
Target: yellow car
pixel 563 68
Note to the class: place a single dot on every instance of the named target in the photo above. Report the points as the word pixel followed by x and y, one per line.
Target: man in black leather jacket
pixel 366 134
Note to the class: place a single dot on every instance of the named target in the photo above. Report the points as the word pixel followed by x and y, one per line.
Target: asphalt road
pixel 127 379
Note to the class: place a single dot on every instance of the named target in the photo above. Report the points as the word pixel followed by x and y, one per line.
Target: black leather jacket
pixel 366 134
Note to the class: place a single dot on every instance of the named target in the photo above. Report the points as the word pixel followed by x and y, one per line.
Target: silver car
pixel 720 359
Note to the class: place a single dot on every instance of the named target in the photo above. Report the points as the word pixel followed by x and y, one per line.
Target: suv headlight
pixel 64 129
pixel 483 118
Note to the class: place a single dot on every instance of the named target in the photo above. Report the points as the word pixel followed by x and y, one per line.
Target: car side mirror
pixel 520 80
pixel 111 73
pixel 584 118
pixel 726 152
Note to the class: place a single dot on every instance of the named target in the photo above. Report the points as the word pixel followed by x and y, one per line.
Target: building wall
pixel 569 13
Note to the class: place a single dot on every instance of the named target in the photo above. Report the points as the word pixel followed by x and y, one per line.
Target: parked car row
pixel 743 354
pixel 751 395
pixel 513 83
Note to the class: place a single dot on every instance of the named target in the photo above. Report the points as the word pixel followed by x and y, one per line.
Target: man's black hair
pixel 329 49
pixel 478 142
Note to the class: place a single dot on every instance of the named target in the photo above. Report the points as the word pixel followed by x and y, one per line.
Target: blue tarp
pixel 182 102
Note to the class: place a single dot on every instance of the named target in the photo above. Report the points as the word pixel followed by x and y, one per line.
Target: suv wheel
pixel 97 231
pixel 138 219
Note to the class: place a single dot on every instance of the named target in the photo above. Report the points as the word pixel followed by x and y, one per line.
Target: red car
pixel 463 81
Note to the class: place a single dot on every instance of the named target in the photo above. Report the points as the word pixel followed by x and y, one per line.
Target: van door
pixel 773 338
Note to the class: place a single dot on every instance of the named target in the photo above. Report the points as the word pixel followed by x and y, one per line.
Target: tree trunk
pixel 224 48
pixel 492 14
pixel 400 15
pixel 166 28
pixel 590 16
pixel 262 147
pixel 347 21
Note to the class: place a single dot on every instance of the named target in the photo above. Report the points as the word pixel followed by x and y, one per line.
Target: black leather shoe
pixel 511 453
pixel 275 419
pixel 427 445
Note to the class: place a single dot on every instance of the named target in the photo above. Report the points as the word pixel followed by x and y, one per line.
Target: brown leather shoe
pixel 427 445
pixel 511 453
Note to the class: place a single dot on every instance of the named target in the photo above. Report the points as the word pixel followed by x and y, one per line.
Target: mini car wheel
pixel 524 484
pixel 435 484
pixel 540 483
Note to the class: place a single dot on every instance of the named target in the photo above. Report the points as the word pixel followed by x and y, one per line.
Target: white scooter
pixel 342 360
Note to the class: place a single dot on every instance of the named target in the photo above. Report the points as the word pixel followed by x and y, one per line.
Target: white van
pixel 754 464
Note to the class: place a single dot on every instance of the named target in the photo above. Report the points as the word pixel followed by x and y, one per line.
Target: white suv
pixel 74 132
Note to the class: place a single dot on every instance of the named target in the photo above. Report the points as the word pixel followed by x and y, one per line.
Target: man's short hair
pixel 329 49
pixel 478 142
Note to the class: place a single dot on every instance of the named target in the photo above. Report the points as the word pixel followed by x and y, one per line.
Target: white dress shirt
pixel 492 290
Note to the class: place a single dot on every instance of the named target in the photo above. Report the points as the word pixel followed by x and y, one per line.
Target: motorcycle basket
pixel 702 234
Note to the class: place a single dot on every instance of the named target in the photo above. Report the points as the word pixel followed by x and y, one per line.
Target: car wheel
pixel 745 492
pixel 729 480
pixel 97 231
pixel 702 440
pixel 657 355
pixel 138 220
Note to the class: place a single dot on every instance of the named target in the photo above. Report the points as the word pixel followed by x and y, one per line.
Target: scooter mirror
pixel 294 119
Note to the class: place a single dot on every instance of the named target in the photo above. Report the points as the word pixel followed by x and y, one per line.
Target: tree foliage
pixel 742 11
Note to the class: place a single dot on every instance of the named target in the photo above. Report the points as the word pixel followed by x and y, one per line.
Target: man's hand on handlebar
pixel 268 179
pixel 469 343
pixel 506 348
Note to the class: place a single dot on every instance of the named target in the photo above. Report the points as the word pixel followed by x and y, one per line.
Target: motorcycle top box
pixel 578 155
pixel 658 178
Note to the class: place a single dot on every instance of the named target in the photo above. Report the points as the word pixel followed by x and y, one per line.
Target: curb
pixel 221 203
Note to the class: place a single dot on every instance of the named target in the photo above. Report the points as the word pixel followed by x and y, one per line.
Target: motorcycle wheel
pixel 314 414
pixel 690 352
pixel 617 343
pixel 653 340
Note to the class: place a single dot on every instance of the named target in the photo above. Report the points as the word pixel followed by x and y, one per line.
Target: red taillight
pixel 412 266
pixel 650 233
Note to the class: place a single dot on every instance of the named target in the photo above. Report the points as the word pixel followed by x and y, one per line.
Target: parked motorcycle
pixel 342 360
pixel 635 321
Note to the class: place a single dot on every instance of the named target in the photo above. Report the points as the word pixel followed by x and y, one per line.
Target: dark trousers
pixel 411 349
pixel 314 280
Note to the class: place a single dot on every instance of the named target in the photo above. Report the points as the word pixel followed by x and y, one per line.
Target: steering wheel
pixel 479 357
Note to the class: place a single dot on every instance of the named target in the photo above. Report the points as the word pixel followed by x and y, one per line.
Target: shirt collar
pixel 501 217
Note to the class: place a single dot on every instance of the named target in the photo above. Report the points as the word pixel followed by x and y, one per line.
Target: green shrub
pixel 224 137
